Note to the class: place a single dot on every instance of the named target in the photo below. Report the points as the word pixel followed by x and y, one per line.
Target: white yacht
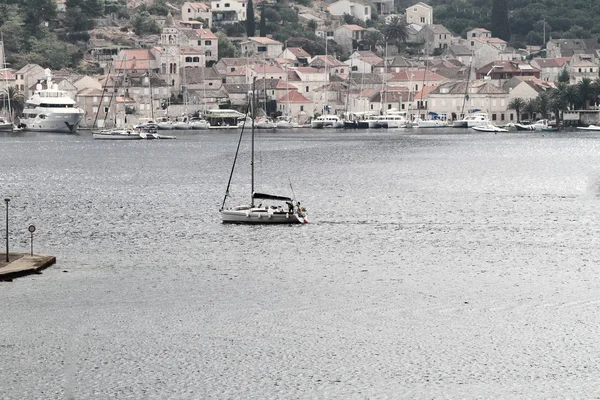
pixel 327 121
pixel 392 121
pixel 471 120
pixel 51 110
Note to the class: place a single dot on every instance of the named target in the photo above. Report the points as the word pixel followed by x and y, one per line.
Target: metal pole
pixel 31 244
pixel 7 200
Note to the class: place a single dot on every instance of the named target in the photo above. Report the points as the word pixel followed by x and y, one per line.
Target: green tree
pixel 50 52
pixel 312 25
pixel 373 39
pixel 517 104
pixel 226 48
pixel 35 12
pixel 586 92
pixel 144 24
pixel 17 101
pixel 559 102
pixel 394 32
pixel 250 23
pixel 531 108
pixel 263 22
pixel 13 30
pixel 500 25
pixel 563 76
pixel 543 104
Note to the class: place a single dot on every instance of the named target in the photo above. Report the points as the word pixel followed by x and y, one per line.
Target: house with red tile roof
pixel 190 11
pixel 355 8
pixel 261 46
pixel 347 36
pixel 296 105
pixel 550 68
pixel 505 70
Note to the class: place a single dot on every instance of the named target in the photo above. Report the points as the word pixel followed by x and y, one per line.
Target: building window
pixel 199 42
pixel 473 34
pixel 95 110
pixel 196 59
pixel 189 10
pixel 105 110
pixel 188 59
pixel 366 10
pixel 208 53
pixel 423 20
pixel 579 69
pixel 494 117
pixel 226 5
pixel 207 42
pixel 354 68
pixel 307 89
pixel 218 5
pixel 95 99
pixel 510 116
pixel 261 49
pixel 301 108
pixel 472 43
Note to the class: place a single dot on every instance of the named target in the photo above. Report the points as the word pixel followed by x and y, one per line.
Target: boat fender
pixel 247 214
pixel 259 215
pixel 287 215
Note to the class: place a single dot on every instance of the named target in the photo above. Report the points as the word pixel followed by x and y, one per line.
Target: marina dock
pixel 21 264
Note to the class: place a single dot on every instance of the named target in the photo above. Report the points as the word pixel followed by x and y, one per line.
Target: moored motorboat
pixel 591 127
pixel 327 121
pixel 524 127
pixel 489 128
pixel 118 134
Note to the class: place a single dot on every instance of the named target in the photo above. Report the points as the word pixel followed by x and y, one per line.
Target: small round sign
pixel 31 228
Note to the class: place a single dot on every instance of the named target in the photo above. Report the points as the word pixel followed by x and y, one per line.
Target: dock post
pixel 6 201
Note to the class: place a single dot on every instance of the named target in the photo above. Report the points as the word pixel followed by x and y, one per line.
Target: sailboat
pixel 287 212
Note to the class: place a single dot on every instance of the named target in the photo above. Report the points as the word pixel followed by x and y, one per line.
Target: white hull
pixel 117 135
pixel 6 127
pixel 489 128
pixel 52 121
pixel 256 215
pixel 430 124
pixel 326 124
pixel 589 128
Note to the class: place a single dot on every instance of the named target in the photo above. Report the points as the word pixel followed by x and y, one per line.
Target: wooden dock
pixel 21 264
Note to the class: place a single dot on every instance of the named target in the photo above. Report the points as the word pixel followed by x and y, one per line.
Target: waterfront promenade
pixel 20 264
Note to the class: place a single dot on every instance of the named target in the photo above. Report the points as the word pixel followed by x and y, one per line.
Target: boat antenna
pixel 236 155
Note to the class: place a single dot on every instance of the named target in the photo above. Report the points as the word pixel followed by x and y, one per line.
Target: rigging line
pixel 102 97
pixel 235 158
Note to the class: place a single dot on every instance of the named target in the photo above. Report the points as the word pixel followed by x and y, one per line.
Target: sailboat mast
pixel 252 150
pixel 5 69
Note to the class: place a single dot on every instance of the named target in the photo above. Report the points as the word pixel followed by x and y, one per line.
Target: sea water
pixel 435 264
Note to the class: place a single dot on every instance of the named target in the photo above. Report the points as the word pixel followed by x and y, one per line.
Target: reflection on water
pixel 426 256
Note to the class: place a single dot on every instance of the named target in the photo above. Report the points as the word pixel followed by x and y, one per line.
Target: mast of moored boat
pixel 252 108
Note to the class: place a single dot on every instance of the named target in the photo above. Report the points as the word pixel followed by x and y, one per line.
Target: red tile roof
pixel 294 97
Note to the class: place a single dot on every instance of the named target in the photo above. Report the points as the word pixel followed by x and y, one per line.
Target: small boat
pixel 430 123
pixel 489 128
pixel 327 121
pixel 589 128
pixel 198 123
pixel 225 119
pixel 287 212
pixel 5 125
pixel 265 123
pixel 471 120
pixel 392 121
pixel 285 122
pixel 164 124
pixel 118 134
pixel 525 127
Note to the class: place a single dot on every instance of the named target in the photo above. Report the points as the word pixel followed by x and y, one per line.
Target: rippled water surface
pixel 452 265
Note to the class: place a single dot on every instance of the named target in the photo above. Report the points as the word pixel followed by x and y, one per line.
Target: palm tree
pixel 395 31
pixel 530 108
pixel 373 39
pixel 517 104
pixel 16 98
pixel 585 92
pixel 571 96
pixel 559 101
pixel 543 103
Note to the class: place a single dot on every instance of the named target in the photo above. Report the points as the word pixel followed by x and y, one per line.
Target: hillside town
pixel 179 72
